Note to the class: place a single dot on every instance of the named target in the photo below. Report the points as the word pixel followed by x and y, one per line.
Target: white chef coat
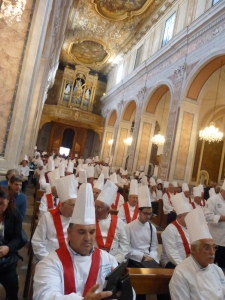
pixel 45 239
pixel 121 212
pixel 120 244
pixel 139 236
pixel 43 208
pixel 167 207
pixel 190 282
pixel 173 248
pixel 121 201
pixel 96 171
pixel 24 170
pixel 215 207
pixel 49 275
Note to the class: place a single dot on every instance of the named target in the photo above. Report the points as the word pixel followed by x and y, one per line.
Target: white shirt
pixel 49 275
pixel 45 239
pixel 121 212
pixel 139 235
pixel 190 282
pixel 167 207
pixel 215 207
pixel 153 196
pixel 173 248
pixel 120 244
pixel 159 194
pixel 24 170
pixel 43 208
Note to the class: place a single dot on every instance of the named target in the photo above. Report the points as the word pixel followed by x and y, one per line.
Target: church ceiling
pixel 100 31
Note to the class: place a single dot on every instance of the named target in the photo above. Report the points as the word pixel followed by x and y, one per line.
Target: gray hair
pixel 15 171
pixel 196 243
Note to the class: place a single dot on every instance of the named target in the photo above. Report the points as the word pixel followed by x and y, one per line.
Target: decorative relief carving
pixel 180 72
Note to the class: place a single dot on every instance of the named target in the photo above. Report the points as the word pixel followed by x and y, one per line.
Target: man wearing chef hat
pixel 90 174
pixel 167 204
pixel 78 270
pixel 197 193
pixel 129 210
pixel 175 238
pixel 119 200
pixel 51 230
pixel 98 186
pixel 110 232
pixel 197 278
pixel 69 169
pixel 215 216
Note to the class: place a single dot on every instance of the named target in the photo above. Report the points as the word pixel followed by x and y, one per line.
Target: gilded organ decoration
pixel 78 88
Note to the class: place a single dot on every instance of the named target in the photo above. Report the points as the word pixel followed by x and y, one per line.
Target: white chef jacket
pixel 121 212
pixel 139 236
pixel 45 239
pixel 96 171
pixel 120 244
pixel 173 248
pixel 49 275
pixel 24 170
pixel 215 207
pixel 167 207
pixel 190 282
pixel 43 208
pixel 121 201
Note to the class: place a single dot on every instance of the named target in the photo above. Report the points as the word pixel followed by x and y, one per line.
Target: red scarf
pixel 50 201
pixel 168 195
pixel 127 213
pixel 58 226
pixel 110 236
pixel 183 237
pixel 115 205
pixel 69 278
pixel 192 203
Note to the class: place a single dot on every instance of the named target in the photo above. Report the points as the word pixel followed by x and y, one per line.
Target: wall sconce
pixel 110 142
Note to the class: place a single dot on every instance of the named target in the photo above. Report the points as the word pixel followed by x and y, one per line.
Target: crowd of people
pixel 86 228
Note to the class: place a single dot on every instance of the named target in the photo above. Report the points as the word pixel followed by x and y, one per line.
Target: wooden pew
pixel 161 216
pixel 150 281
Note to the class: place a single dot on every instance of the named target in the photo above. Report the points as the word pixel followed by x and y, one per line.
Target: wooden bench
pixel 150 281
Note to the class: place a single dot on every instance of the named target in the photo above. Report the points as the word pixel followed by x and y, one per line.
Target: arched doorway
pixel 108 141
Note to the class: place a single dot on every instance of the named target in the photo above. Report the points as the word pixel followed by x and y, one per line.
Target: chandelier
pixel 110 142
pixel 128 141
pixel 211 134
pixel 158 139
pixel 11 10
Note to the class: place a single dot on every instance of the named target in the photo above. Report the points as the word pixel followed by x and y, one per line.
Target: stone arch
pixel 129 110
pixel 112 118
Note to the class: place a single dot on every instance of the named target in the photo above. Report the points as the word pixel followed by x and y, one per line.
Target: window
pixel 214 2
pixel 119 74
pixel 168 31
pixel 138 57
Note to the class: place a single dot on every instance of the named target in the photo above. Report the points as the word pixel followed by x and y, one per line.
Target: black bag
pixel 8 262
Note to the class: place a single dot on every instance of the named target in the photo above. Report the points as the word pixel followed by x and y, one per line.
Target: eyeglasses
pixel 99 208
pixel 207 248
pixel 147 214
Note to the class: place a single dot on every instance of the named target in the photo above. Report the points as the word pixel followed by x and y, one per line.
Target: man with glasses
pixel 51 231
pixel 197 278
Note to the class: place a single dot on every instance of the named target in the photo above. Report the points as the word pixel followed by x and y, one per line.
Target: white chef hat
pixel 57 161
pixel 84 210
pixel 133 187
pixel 180 205
pixel 70 167
pixel 51 164
pixel 105 171
pixel 39 163
pixel 35 148
pixel 121 170
pixel 90 171
pixel 159 181
pixel 61 169
pixel 124 172
pixel 197 191
pixel 96 159
pixel 223 186
pixel 82 176
pixel 25 157
pixel 197 226
pixel 53 176
pixel 201 187
pixel 76 155
pixel 174 183
pixel 36 153
pixel 144 199
pixel 66 188
pixel 142 168
pixel 144 180
pixel 185 187
pixel 113 178
pixel 99 183
pixel 84 166
pixel 137 173
pixel 166 184
pixel 212 192
pixel 108 193
pixel 152 181
pixel 141 174
pixel 106 160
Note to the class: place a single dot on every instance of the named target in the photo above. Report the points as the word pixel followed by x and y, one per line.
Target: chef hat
pixel 152 181
pixel 174 183
pixel 144 180
pixel 76 155
pixel 223 186
pixel 166 184
pixel 212 192
pixel 66 188
pixel 53 176
pixel 48 188
pixel 61 169
pixel 121 170
pixel 133 187
pixel 39 163
pixel 96 159
pixel 108 193
pixel 185 187
pixel 82 176
pixel 84 166
pixel 137 173
pixel 141 174
pixel 90 171
pixel 35 148
pixel 105 171
pixel 201 187
pixel 142 168
pixel 36 153
pixel 180 205
pixel 51 164
pixel 124 172
pixel 106 160
pixel 80 161
pixel 197 226
pixel 197 191
pixel 99 183
pixel 84 210
pixel 144 197
pixel 25 157
pixel 159 181
pixel 113 178
pixel 70 167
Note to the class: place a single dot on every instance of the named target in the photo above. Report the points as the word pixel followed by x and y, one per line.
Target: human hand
pixel 4 250
pixel 147 258
pixel 92 296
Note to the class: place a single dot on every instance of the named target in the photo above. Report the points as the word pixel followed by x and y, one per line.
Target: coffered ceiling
pixel 100 32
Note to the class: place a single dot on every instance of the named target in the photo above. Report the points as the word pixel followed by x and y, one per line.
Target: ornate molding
pixel 179 72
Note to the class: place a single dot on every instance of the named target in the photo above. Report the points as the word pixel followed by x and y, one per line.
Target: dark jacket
pixel 13 230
